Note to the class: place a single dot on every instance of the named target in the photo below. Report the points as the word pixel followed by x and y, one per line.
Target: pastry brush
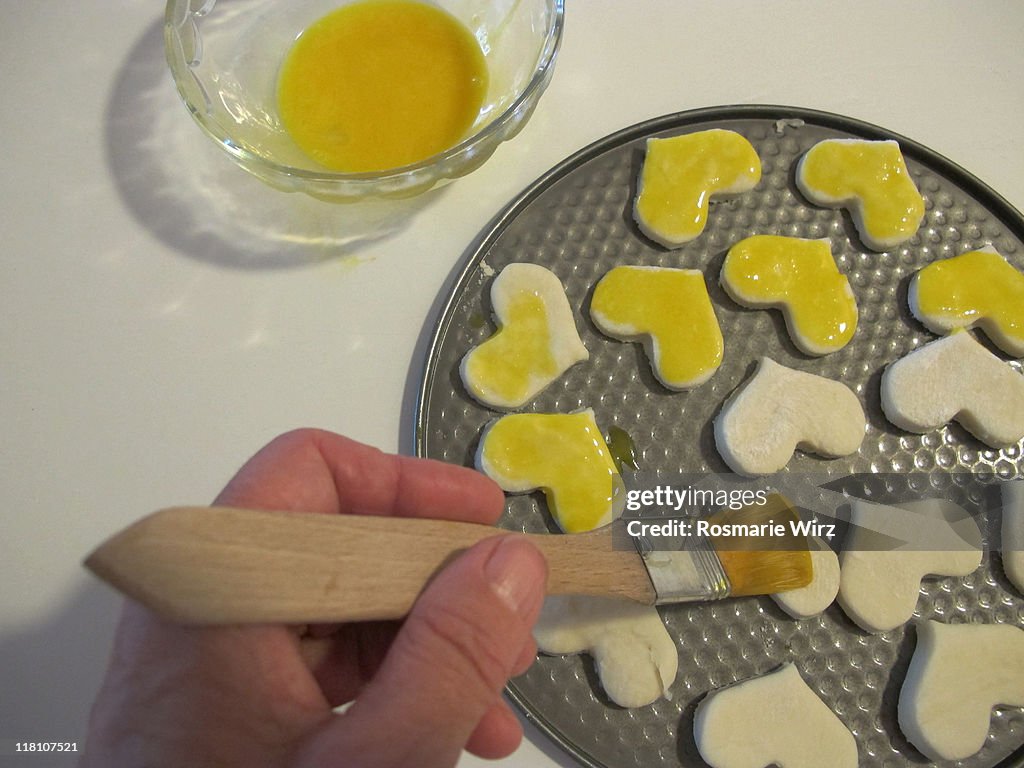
pixel 223 565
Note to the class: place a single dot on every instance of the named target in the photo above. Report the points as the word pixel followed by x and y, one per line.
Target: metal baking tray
pixel 577 220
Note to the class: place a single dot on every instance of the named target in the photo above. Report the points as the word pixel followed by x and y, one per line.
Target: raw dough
pixel 957 674
pixel 771 720
pixel 635 657
pixel 1013 533
pixel 888 550
pixel 536 341
pixel 779 410
pixel 955 379
pixel 818 595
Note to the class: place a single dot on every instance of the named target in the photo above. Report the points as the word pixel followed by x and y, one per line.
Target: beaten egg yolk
pixel 673 309
pixel 681 173
pixel 977 287
pixel 564 454
pixel 801 277
pixel 874 176
pixel 380 84
pixel 507 364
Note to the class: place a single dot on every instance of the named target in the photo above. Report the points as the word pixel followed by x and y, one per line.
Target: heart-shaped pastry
pixel 955 379
pixel 635 657
pixel 801 278
pixel 536 341
pixel 681 174
pixel 975 289
pixel 779 410
pixel 871 179
pixel 957 674
pixel 563 454
pixel 775 719
pixel 670 313
pixel 811 600
pixel 890 549
pixel 1012 532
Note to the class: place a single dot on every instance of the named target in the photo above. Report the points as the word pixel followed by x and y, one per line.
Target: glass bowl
pixel 225 56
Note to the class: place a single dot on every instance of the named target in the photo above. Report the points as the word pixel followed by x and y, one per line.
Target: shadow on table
pixel 52 671
pixel 192 196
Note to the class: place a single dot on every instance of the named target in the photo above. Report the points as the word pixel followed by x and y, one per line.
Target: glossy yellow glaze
pixel 977 287
pixel 801 278
pixel 681 173
pixel 563 454
pixel 673 309
pixel 507 365
pixel 379 84
pixel 871 175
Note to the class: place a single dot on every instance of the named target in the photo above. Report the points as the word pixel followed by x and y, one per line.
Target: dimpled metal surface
pixel 577 220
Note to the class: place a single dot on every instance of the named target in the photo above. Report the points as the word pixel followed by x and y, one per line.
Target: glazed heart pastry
pixel 679 176
pixel 563 454
pixel 890 549
pixel 871 179
pixel 635 657
pixel 779 410
pixel 775 719
pixel 957 674
pixel 975 289
pixel 670 312
pixel 801 278
pixel 536 341
pixel 955 379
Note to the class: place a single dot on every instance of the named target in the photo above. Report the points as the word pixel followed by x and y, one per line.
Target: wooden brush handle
pixel 221 565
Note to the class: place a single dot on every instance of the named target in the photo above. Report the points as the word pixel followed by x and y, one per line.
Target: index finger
pixel 318 471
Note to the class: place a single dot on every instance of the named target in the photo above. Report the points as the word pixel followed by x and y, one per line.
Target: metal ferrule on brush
pixel 691 573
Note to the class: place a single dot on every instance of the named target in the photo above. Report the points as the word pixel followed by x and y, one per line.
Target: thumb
pixel 462 641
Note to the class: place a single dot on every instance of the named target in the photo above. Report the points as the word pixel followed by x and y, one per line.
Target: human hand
pixel 419 691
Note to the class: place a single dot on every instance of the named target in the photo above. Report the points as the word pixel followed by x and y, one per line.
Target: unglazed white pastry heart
pixel 634 654
pixel 955 379
pixel 890 549
pixel 775 719
pixel 957 674
pixel 779 410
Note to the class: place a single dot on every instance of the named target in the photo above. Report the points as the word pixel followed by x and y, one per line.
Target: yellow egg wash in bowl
pixel 352 99
pixel 380 84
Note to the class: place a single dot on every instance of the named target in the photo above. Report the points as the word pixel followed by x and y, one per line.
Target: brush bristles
pixel 758 562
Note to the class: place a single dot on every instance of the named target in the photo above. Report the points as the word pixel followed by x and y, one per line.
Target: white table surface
pixel 163 314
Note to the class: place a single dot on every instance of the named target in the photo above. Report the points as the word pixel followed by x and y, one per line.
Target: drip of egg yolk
pixel 379 84
pixel 671 311
pixel 975 288
pixel 679 176
pixel 872 177
pixel 535 343
pixel 801 278
pixel 565 455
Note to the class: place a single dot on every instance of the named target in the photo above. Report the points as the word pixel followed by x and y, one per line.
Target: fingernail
pixel 518 575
